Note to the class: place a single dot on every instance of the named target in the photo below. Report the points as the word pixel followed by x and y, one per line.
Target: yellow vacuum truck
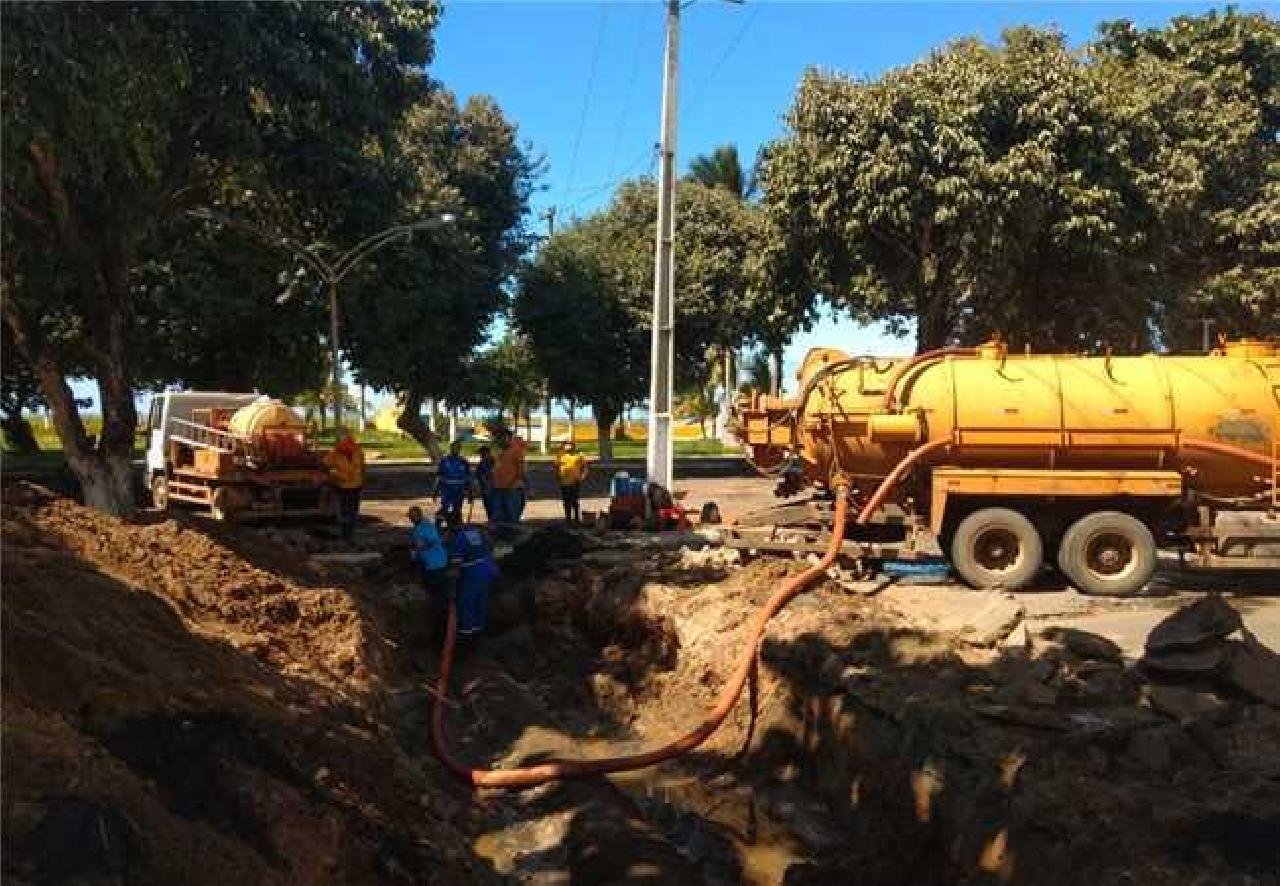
pixel 1008 461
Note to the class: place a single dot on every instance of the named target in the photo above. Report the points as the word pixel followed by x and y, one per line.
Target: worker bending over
pixel 571 470
pixel 453 482
pixel 429 556
pixel 346 478
pixel 470 554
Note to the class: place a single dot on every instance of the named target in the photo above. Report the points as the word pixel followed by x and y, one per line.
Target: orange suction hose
pixel 556 770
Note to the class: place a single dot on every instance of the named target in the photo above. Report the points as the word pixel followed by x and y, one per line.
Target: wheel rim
pixel 997 549
pixel 1109 554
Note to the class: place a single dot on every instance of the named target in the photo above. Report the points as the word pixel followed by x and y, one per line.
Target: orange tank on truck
pixel 1205 424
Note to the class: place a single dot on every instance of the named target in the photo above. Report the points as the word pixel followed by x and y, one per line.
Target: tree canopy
pixel 118 117
pixel 1131 186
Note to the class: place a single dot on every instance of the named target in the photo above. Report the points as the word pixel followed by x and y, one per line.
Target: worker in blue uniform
pixel 453 482
pixel 471 555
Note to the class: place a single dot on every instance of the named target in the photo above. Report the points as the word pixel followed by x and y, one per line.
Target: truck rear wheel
pixel 997 547
pixel 1108 552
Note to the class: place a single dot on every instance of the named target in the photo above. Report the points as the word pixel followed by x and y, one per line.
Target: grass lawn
pixel 391 445
pixel 378 444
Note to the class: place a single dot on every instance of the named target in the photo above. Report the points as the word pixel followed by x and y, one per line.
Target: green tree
pixel 1201 99
pixel 1132 188
pixel 417 314
pixel 120 116
pixel 577 304
pixel 877 188
pixel 714 243
pixel 19 392
pixel 506 376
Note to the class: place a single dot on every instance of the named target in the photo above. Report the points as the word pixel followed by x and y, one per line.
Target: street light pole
pixel 330 274
pixel 658 456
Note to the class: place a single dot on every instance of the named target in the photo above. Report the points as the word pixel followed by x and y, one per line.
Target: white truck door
pixel 157 418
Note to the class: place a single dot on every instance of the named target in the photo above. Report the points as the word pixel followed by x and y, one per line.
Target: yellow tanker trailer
pixel 1012 460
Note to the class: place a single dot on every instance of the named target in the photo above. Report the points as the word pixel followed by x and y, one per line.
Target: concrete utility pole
pixel 550 218
pixel 658 460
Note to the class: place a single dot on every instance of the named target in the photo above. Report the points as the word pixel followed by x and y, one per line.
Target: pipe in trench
pixel 556 770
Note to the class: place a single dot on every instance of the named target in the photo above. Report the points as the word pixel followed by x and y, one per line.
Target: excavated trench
pixel 865 751
pixel 189 703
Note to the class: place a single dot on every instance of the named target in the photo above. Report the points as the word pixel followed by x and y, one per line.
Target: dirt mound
pixel 312 632
pixel 175 714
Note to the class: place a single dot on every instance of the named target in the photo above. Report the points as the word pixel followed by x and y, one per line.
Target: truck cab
pixel 170 405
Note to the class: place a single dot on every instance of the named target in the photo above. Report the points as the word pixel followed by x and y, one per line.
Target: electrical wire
pixel 724 56
pixel 630 93
pixel 586 99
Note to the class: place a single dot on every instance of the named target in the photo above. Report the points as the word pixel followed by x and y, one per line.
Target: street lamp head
pixel 448 218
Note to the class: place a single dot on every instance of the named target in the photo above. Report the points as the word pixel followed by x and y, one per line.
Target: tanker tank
pixel 1051 438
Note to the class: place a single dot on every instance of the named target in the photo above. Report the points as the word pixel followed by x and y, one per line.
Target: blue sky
pixel 583 79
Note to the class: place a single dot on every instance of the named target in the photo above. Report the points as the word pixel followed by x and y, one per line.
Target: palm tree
pixel 722 169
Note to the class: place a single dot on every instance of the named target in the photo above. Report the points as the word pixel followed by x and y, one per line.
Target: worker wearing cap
pixel 453 481
pixel 429 555
pixel 470 554
pixel 571 469
pixel 346 478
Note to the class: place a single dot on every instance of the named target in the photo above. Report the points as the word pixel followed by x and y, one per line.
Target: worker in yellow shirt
pixel 571 469
pixel 346 477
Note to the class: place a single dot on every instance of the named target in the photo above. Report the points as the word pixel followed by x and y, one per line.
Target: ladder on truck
pixel 204 437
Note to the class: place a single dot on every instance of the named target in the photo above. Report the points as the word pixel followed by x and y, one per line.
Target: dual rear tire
pixel 1104 552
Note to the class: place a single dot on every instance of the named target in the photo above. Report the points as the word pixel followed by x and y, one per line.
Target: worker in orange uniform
pixel 346 477
pixel 571 470
pixel 508 480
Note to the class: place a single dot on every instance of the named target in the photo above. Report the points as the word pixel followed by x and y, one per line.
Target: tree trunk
pixel 106 482
pixel 775 372
pixel 18 434
pixel 410 421
pixel 605 418
pixel 932 326
pixel 545 444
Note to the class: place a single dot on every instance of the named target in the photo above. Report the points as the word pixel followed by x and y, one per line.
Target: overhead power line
pixel 724 57
pixel 586 98
pixel 631 87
